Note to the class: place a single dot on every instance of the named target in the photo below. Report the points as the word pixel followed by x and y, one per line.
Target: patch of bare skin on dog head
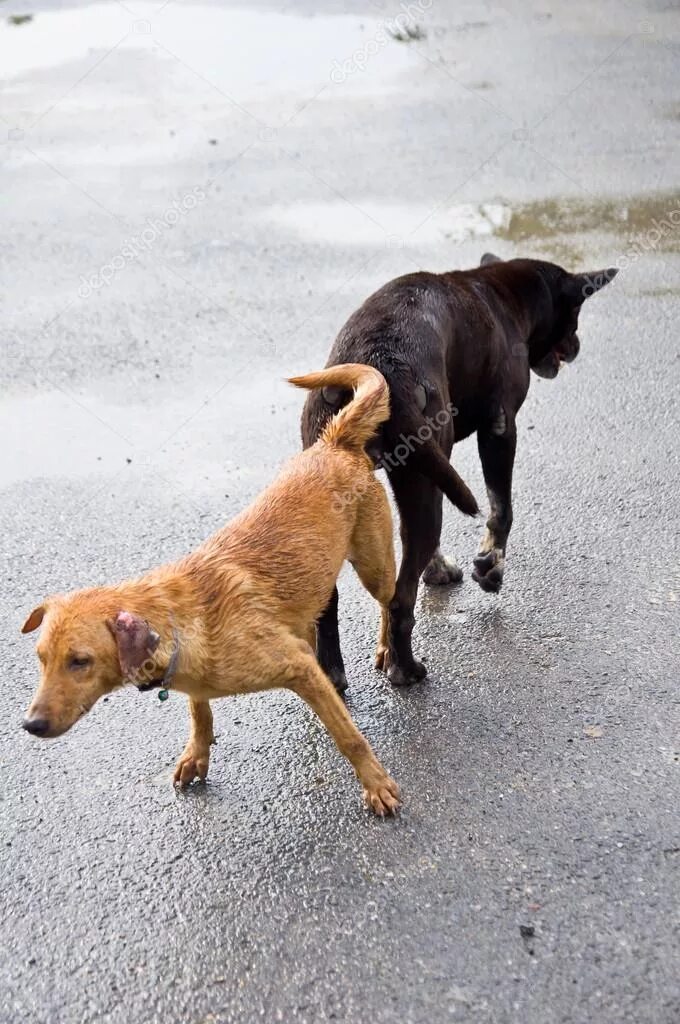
pixel 135 639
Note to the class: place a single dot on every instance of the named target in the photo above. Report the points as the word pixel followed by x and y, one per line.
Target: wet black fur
pixel 463 341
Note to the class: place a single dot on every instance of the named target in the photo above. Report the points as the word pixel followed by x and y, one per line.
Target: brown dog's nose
pixel 36 726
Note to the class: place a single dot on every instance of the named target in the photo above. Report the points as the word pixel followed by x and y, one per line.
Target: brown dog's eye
pixel 76 663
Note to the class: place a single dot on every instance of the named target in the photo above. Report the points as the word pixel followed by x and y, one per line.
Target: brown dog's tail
pixel 358 421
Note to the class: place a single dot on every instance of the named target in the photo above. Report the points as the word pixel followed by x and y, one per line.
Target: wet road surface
pixel 195 198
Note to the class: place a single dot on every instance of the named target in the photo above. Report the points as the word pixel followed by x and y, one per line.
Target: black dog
pixel 456 350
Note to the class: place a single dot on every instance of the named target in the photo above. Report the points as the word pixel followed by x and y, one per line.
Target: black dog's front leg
pixel 328 651
pixel 497 452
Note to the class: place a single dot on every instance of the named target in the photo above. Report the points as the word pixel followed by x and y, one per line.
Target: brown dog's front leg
pixel 381 792
pixel 193 763
pixel 497 452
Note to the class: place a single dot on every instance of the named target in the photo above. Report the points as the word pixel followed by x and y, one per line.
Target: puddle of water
pixel 242 52
pixel 106 159
pixel 648 222
pixel 56 434
pixel 653 219
pixel 371 223
pixel 556 251
pixel 660 293
pixel 52 437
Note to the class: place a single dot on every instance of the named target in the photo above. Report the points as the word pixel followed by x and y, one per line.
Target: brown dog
pixel 238 615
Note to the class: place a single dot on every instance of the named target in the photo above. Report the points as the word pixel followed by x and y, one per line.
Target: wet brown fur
pixel 245 603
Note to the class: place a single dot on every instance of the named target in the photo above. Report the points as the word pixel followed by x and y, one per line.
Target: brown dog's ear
pixel 580 287
pixel 488 258
pixel 34 619
pixel 135 639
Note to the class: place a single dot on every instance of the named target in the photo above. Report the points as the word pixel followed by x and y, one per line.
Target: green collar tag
pixel 165 682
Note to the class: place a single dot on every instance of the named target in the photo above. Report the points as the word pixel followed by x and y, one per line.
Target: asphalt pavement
pixel 194 198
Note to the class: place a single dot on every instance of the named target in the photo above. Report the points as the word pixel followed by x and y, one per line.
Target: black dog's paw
pixel 439 572
pixel 337 677
pixel 406 676
pixel 339 680
pixel 488 570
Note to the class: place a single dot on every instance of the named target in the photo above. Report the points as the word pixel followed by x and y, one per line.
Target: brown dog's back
pixel 312 505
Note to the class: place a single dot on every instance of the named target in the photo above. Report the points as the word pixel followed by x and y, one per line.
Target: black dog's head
pixel 556 297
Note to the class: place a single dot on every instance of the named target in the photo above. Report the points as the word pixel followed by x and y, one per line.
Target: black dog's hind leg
pixel 420 513
pixel 439 571
pixel 497 452
pixel 328 651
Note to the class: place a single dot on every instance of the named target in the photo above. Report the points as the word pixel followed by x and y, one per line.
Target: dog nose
pixel 36 726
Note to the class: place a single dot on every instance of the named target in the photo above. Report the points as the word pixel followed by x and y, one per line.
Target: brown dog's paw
pixel 383 798
pixel 406 675
pixel 439 572
pixel 193 764
pixel 488 570
pixel 381 661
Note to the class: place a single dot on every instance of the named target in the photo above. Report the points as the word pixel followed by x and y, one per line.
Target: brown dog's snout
pixel 36 726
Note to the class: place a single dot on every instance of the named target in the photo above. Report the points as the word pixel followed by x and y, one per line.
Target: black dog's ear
pixel 488 258
pixel 580 287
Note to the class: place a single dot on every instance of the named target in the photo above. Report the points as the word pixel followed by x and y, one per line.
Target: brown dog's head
pixel 556 297
pixel 87 648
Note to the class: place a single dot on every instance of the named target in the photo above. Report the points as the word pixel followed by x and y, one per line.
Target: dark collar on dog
pixel 163 684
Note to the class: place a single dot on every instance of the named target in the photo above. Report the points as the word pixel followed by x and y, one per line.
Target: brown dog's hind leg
pixel 193 762
pixel 316 413
pixel 381 792
pixel 282 659
pixel 372 555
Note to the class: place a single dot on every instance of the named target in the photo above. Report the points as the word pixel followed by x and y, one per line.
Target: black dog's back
pixel 401 330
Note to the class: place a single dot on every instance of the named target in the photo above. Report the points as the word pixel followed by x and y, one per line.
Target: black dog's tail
pixel 427 457
pixel 358 421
